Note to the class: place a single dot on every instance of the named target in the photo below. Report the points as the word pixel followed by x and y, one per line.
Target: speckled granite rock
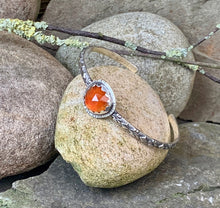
pixel 188 15
pixel 102 152
pixel 172 82
pixel 32 83
pixel 21 9
pixel 189 177
pixel 195 18
pixel 85 13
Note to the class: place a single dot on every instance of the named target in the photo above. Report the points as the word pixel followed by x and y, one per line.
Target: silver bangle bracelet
pixel 107 101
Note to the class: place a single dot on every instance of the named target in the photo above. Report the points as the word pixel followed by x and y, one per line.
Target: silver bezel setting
pixel 109 93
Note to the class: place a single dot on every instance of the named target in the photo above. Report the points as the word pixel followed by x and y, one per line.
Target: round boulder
pixel 21 9
pixel 32 83
pixel 102 152
pixel 172 82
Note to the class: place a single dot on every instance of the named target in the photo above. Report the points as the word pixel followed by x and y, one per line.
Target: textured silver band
pixel 115 115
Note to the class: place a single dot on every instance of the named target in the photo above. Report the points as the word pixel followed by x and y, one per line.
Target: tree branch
pixel 205 38
pixel 212 77
pixel 33 31
pixel 202 64
pixel 100 36
pixel 146 52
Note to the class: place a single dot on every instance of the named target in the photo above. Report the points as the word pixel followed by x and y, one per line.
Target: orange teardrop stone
pixel 96 99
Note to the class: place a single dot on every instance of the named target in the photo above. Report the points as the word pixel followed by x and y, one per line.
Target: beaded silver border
pixel 110 109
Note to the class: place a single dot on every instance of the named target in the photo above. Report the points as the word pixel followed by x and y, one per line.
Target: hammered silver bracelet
pixel 106 102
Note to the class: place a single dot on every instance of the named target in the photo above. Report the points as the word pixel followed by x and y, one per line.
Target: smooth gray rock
pixel 21 9
pixel 195 18
pixel 189 177
pixel 32 83
pixel 6 183
pixel 172 82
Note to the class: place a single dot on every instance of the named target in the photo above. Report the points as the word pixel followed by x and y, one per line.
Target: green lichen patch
pixel 72 42
pixel 202 71
pixel 209 35
pixel 5 203
pixel 14 198
pixel 190 48
pixel 177 53
pixel 192 67
pixel 41 25
pixel 25 29
pixel 29 30
pixel 130 45
pixel 195 68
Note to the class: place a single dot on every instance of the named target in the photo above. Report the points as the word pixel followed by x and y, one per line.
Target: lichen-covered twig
pixel 211 77
pixel 30 30
pixel 202 71
pixel 195 66
pixel 177 53
pixel 173 55
pixel 201 64
pixel 180 53
pixel 207 37
pixel 100 36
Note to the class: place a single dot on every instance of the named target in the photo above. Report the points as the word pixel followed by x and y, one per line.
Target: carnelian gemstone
pixel 96 99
